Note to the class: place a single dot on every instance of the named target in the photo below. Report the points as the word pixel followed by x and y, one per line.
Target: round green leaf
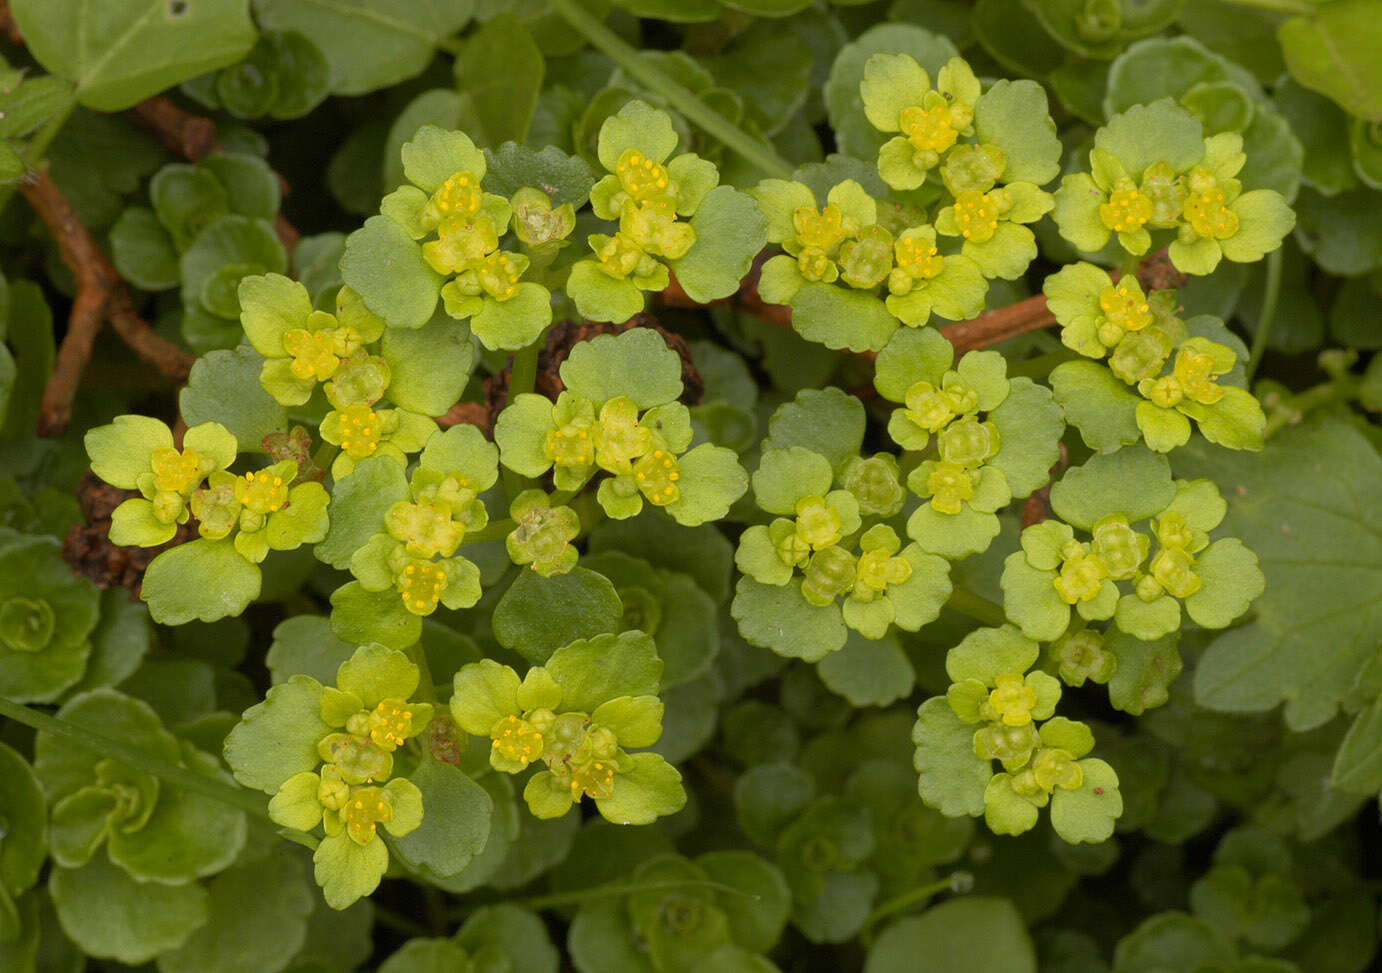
pixel 110 915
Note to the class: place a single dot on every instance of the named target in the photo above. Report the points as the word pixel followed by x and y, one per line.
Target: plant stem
pixel 1263 333
pixel 426 691
pixel 697 111
pixel 522 378
pixel 248 801
pixel 33 152
pixel 324 456
pixel 904 901
pixel 1291 410
pixel 976 606
pixel 38 145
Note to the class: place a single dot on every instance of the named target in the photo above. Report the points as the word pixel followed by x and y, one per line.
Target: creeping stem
pixel 171 774
pixel 698 112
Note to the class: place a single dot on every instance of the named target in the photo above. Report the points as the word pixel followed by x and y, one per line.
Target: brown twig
pixel 984 331
pixel 466 414
pixel 194 138
pixel 190 136
pixel 7 25
pixel 101 296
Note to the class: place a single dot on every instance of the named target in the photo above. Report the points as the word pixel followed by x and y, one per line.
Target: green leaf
pixel 1264 220
pixel 125 51
pixel 538 615
pixel 358 616
pixel 565 178
pixel 782 620
pixel 425 131
pixel 651 788
pixel 224 387
pixel 1029 423
pixel 499 74
pixel 756 920
pixel 1144 672
pixel 1358 763
pixel 1333 51
pixel 977 934
pixel 1013 115
pixel 188 836
pixel 386 267
pixel 374 673
pixel 201 579
pixel 712 480
pixel 347 871
pixel 358 503
pixel 1097 404
pixel 635 720
pixel 257 915
pixel 143 251
pixel 702 552
pixel 595 670
pixel 599 296
pixel 1172 940
pixel 425 956
pixel 639 126
pixel 1087 814
pixel 1159 132
pixel 636 363
pixel 110 915
pixel 844 104
pixel 304 645
pixel 951 778
pixel 953 536
pixel 839 317
pixel 242 244
pixel 730 231
pixel 1230 582
pixel 1133 481
pixel 369 44
pixel 867 672
pixel 786 475
pixel 428 367
pixel 510 931
pixel 455 821
pixel 1030 599
pixel 1323 130
pixel 278 737
pixel 1160 67
pixel 26 819
pixel 515 323
pixel 1300 506
pixel 987 653
pixel 120 451
pixel 1268 911
pixel 826 421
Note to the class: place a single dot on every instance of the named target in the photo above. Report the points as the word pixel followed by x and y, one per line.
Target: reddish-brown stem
pixel 188 135
pixel 8 27
pixel 984 331
pixel 466 413
pixel 101 296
